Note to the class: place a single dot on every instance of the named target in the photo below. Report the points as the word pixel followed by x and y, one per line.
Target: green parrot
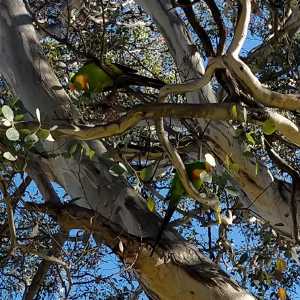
pixel 195 172
pixel 94 77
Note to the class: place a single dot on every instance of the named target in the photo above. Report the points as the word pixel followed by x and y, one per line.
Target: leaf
pixel 250 138
pixel 234 111
pixel 38 115
pixel 280 265
pixel 7 113
pixel 73 148
pixel 9 156
pixel 7 123
pixel 50 138
pixel 12 134
pixel 146 173
pixel 31 138
pixel 19 117
pixel 117 169
pixel 90 153
pixel 282 294
pixel 121 246
pixel 268 127
pixel 256 168
pixel 43 133
pixel 210 159
pixel 151 204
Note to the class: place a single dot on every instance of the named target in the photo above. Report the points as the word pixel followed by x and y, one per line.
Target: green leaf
pixel 73 148
pixel 250 138
pixel 7 113
pixel 31 138
pixel 268 127
pixel 150 204
pixel 256 168
pixel 12 134
pixel 7 155
pixel 19 117
pixel 43 133
pixel 117 169
pixel 234 111
pixel 90 153
pixel 146 173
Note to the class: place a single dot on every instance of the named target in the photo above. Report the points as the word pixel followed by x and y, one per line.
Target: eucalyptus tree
pixel 102 162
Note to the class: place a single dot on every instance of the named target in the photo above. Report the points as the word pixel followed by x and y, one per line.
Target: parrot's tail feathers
pixel 139 80
pixel 163 227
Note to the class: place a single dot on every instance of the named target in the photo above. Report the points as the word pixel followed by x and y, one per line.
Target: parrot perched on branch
pixel 94 77
pixel 196 172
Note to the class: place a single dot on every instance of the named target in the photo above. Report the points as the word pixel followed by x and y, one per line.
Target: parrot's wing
pixel 98 78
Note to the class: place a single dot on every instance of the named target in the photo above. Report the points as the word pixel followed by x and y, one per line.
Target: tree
pixel 54 143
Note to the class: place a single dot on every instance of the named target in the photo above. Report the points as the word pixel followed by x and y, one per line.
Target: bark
pixel 106 205
pixel 268 197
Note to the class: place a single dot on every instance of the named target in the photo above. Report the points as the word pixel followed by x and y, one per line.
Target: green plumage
pixel 177 191
pixel 95 78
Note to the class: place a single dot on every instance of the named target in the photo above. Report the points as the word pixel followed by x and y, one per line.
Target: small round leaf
pixel 9 156
pixel 7 113
pixel 12 134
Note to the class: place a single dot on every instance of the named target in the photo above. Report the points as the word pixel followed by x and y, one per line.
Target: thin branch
pixel 219 21
pixel 199 30
pixel 10 217
pixel 43 268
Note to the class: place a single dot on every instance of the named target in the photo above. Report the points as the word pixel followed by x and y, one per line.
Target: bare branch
pixel 43 268
pixel 241 30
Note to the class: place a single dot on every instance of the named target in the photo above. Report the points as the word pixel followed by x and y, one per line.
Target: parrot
pixel 94 77
pixel 195 171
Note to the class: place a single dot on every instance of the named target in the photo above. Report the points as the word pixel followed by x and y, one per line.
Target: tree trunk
pixel 106 205
pixel 266 196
